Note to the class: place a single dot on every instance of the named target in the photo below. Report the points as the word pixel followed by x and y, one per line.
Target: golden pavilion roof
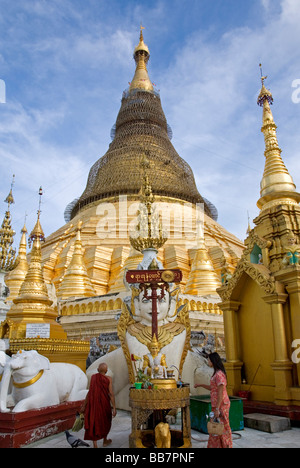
pixel 141 128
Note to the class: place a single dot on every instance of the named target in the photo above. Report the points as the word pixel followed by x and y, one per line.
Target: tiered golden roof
pixel 141 127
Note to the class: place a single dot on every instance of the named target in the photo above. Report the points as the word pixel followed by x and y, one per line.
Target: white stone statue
pixel 37 383
pixel 134 330
pixel 4 361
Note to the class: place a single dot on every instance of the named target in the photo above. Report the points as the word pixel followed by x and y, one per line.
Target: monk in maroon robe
pixel 99 408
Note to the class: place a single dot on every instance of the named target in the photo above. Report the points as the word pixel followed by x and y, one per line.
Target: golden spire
pixel 16 277
pixel 141 56
pixel 76 282
pixel 34 288
pixel 7 253
pixel 277 185
pixel 150 234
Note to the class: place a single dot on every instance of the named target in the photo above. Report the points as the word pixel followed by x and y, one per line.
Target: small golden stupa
pixel 31 322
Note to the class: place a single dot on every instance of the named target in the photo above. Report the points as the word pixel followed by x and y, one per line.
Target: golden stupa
pixel 107 211
pixel 31 322
pixel 261 301
pixel 86 266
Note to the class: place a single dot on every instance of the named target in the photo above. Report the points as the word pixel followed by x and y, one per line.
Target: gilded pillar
pixel 290 277
pixel 233 362
pixel 282 365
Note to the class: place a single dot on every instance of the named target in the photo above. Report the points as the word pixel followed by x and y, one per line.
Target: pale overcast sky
pixel 65 64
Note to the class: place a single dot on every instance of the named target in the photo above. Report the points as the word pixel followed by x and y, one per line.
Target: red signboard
pixel 153 276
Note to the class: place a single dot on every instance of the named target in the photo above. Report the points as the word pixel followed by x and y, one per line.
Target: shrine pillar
pixel 282 365
pixel 290 277
pixel 233 362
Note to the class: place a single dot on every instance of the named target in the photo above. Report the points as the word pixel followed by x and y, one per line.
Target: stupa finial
pixel 37 232
pixel 141 56
pixel 150 233
pixel 7 252
pixel 277 185
pixel 10 199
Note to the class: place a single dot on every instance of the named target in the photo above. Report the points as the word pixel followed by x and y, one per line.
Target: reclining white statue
pixel 37 383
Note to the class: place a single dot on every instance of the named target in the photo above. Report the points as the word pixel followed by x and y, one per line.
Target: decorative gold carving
pixel 258 273
pixel 49 346
pixel 124 322
pixel 255 239
pixel 168 276
pixel 160 398
pixel 166 333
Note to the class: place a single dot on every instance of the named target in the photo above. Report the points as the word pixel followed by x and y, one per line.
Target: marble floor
pixel 121 428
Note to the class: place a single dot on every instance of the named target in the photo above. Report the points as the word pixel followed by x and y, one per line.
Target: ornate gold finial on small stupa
pixel 149 234
pixel 34 288
pixel 7 252
pixel 277 186
pixel 76 282
pixel 141 56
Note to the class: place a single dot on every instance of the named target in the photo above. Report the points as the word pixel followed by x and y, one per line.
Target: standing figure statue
pixel 292 251
pixel 154 363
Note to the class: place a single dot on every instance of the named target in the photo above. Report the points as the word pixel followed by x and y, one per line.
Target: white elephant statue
pixel 37 383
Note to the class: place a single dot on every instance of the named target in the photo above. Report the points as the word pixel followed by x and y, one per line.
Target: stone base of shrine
pixel 20 429
pixel 290 412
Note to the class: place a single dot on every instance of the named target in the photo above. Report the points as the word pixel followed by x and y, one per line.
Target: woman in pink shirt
pixel 220 402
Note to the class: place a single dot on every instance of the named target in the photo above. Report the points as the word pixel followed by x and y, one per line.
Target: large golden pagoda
pixel 261 301
pixel 108 213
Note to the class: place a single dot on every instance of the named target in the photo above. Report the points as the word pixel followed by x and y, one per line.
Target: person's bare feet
pixel 107 442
